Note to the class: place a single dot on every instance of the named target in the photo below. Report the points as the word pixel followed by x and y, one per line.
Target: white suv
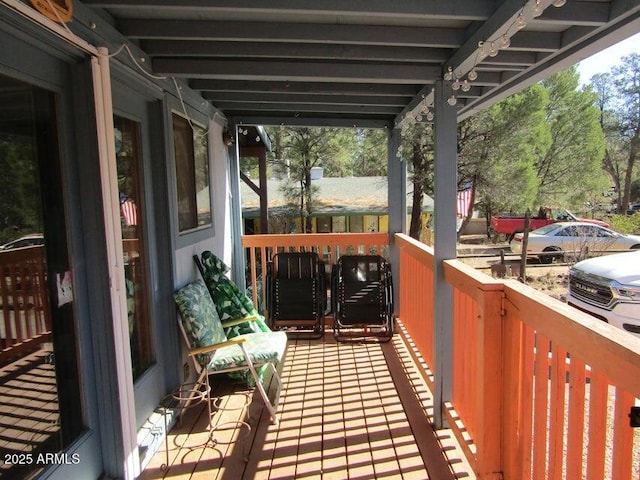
pixel 608 288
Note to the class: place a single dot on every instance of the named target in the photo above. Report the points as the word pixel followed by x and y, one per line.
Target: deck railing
pixel 540 390
pixel 260 249
pixel 25 319
pixel 535 382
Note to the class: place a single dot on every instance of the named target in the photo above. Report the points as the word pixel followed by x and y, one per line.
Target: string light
pixel 487 48
pixel 448 76
pixel 537 9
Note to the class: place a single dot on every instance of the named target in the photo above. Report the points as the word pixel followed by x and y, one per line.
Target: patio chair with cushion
pixel 214 353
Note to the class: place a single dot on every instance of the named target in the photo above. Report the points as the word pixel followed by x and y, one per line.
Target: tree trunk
pixel 415 227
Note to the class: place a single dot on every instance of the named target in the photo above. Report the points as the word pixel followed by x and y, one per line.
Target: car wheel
pixel 552 257
pixel 635 247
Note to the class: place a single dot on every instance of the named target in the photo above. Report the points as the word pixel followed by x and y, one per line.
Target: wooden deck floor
pixel 28 412
pixel 347 411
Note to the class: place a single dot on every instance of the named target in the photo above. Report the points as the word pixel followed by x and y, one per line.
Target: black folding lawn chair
pixel 296 293
pixel 362 297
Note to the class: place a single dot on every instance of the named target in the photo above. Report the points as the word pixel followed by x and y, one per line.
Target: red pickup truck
pixel 510 224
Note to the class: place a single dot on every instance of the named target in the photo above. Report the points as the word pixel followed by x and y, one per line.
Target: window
pixel 192 174
pixel 128 160
pixel 338 224
pixel 324 225
pixel 41 408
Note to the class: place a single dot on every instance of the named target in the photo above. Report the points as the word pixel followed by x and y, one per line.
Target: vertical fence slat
pixel 526 401
pixel 557 403
pixel 598 393
pixel 489 361
pixel 622 436
pixel 540 411
pixel 576 424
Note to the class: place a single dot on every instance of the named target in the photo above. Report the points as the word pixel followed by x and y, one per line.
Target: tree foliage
pixel 498 149
pixel 541 146
pixel 417 148
pixel 297 150
pixel 619 105
pixel 19 188
pixel 570 169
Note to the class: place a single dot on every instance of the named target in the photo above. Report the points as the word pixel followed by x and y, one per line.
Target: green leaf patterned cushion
pixel 229 300
pixel 261 347
pixel 199 316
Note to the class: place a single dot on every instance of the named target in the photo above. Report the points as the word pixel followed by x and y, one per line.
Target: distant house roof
pixel 335 196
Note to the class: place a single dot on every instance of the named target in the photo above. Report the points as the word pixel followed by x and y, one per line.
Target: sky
pixel 603 61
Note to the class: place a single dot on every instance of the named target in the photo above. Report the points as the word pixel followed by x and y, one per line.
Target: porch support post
pixel 397 202
pixel 237 252
pixel 264 202
pixel 444 245
pixel 125 412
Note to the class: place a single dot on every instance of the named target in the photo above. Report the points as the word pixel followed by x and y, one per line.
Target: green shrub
pixel 625 223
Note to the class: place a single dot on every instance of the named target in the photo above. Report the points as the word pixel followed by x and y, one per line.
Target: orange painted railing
pixel 24 301
pixel 415 296
pixel 534 381
pixel 330 246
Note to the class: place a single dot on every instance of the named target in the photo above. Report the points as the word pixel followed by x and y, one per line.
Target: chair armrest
pixel 216 346
pixel 237 321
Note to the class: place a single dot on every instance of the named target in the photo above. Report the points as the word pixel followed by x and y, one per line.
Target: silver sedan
pixel 553 241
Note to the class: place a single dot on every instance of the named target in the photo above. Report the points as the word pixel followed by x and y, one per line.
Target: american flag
pixel 463 203
pixel 129 212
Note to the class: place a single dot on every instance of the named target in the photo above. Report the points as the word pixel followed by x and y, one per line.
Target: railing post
pixel 490 373
pixel 237 254
pixel 397 201
pixel 445 149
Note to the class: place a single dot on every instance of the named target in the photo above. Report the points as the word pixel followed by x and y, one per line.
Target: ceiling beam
pixel 291 32
pixel 627 25
pixel 474 10
pixel 321 72
pixel 303 107
pixel 577 13
pixel 307 120
pixel 303 87
pixel 313 51
pixel 312 99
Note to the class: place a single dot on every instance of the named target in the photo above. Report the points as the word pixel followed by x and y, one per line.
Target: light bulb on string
pixel 449 74
pixel 505 41
pixel 472 75
pixel 466 86
pixel 452 100
pixel 429 115
pixel 456 85
pixel 521 22
pixel 482 52
pixel 537 9
pixel 493 50
pixel 559 3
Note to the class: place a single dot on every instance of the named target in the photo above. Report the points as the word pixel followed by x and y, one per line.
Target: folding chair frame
pixel 203 373
pixel 304 268
pixel 347 292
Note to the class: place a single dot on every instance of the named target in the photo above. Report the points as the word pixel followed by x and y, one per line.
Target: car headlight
pixel 626 292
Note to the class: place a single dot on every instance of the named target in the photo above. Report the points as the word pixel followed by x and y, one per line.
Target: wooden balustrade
pixel 534 381
pixel 26 316
pixel 329 246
